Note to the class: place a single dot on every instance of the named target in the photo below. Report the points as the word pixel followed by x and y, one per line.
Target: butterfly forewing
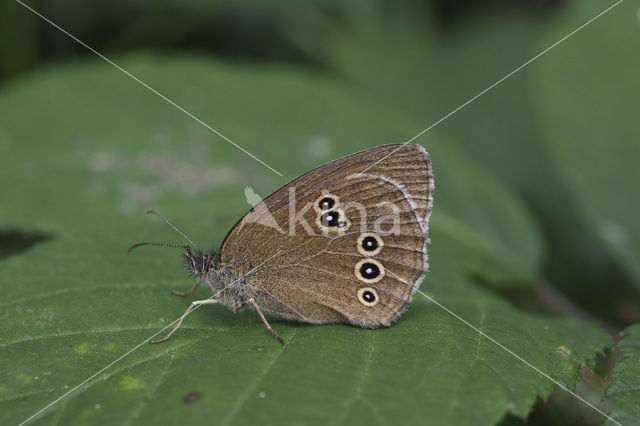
pixel 343 242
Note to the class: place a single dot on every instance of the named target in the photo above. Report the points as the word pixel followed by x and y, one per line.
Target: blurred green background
pixel 537 180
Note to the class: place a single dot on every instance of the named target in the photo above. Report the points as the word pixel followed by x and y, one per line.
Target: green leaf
pixel 496 133
pixel 448 67
pixel 588 102
pixel 428 71
pixel 478 226
pixel 625 379
pixel 86 151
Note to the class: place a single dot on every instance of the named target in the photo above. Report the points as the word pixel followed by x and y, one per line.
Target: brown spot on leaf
pixel 192 397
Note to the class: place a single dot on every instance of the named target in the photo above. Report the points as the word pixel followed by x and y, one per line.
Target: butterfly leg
pixel 191 306
pixel 184 293
pixel 266 323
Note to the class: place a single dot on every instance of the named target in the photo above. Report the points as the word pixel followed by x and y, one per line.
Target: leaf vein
pixel 245 396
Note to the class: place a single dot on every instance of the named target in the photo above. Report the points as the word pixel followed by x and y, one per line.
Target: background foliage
pixel 534 237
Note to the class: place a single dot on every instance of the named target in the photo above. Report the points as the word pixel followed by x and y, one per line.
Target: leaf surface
pixel 86 151
pixel 624 387
pixel 591 124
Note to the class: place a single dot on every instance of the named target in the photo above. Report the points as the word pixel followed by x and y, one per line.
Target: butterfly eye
pixel 369 270
pixel 330 218
pixel 369 244
pixel 326 203
pixel 368 296
pixel 334 218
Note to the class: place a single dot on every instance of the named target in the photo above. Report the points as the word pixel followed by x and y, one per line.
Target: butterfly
pixel 344 242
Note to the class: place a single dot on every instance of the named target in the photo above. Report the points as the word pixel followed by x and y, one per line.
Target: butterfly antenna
pixel 175 228
pixel 188 248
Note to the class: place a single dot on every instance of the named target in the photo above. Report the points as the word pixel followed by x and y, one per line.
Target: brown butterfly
pixel 344 242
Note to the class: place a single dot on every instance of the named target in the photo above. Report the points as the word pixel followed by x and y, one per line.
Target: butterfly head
pixel 198 264
pixel 195 264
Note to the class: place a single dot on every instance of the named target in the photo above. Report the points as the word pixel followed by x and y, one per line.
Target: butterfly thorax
pixel 226 287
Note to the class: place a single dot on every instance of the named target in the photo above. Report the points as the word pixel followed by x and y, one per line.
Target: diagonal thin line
pixel 285 304
pixel 151 89
pixel 501 346
pixel 260 161
pixel 136 347
pixel 279 300
pixel 515 355
pixel 494 84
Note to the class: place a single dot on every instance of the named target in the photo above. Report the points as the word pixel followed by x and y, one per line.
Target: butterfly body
pixel 230 290
pixel 234 290
pixel 344 242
